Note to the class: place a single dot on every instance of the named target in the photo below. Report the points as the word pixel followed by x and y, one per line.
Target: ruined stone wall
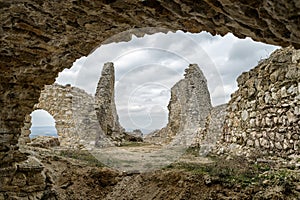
pixel 105 103
pixel 25 131
pixel 188 108
pixel 264 113
pixel 208 136
pixel 74 113
pixel 58 101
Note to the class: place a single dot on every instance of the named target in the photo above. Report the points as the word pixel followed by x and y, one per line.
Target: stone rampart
pixel 264 113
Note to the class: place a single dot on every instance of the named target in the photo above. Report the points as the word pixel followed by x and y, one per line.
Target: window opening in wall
pixel 43 124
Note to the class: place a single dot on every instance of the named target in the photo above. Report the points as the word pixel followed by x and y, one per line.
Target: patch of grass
pixel 83 156
pixel 227 172
pixel 282 177
pixel 190 167
pixel 192 151
pixel 262 167
pixel 133 144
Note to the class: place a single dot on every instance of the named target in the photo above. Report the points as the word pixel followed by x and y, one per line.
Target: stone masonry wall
pixel 264 113
pixel 105 103
pixel 74 113
pixel 25 131
pixel 209 136
pixel 189 106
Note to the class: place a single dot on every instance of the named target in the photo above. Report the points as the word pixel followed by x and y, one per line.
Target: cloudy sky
pixel 146 69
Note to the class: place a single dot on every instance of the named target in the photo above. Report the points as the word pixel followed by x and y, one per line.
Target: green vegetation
pixel 238 171
pixel 134 144
pixel 283 177
pixel 82 156
pixel 192 151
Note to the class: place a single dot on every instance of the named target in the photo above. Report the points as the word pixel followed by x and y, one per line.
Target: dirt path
pixel 142 158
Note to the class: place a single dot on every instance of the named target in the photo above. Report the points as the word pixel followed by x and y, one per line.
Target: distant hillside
pixel 43 130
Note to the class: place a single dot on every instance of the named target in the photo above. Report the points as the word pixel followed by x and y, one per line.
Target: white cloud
pixel 42 118
pixel 69 76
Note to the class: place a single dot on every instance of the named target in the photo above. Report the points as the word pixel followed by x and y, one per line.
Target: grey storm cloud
pixel 146 69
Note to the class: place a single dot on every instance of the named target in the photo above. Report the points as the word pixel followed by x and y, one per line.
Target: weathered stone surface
pixel 24 178
pixel 208 136
pixel 31 164
pixel 135 135
pixel 189 106
pixel 74 113
pixel 275 127
pixel 105 103
pixel 44 142
pixel 25 131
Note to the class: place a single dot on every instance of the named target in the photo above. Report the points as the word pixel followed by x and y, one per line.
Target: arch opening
pixel 42 124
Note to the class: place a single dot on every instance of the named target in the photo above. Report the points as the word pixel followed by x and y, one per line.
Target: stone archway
pixel 57 100
pixel 39 39
pixel 69 106
pixel 26 130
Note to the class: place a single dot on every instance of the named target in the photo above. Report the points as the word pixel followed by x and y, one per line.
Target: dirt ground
pixel 79 175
